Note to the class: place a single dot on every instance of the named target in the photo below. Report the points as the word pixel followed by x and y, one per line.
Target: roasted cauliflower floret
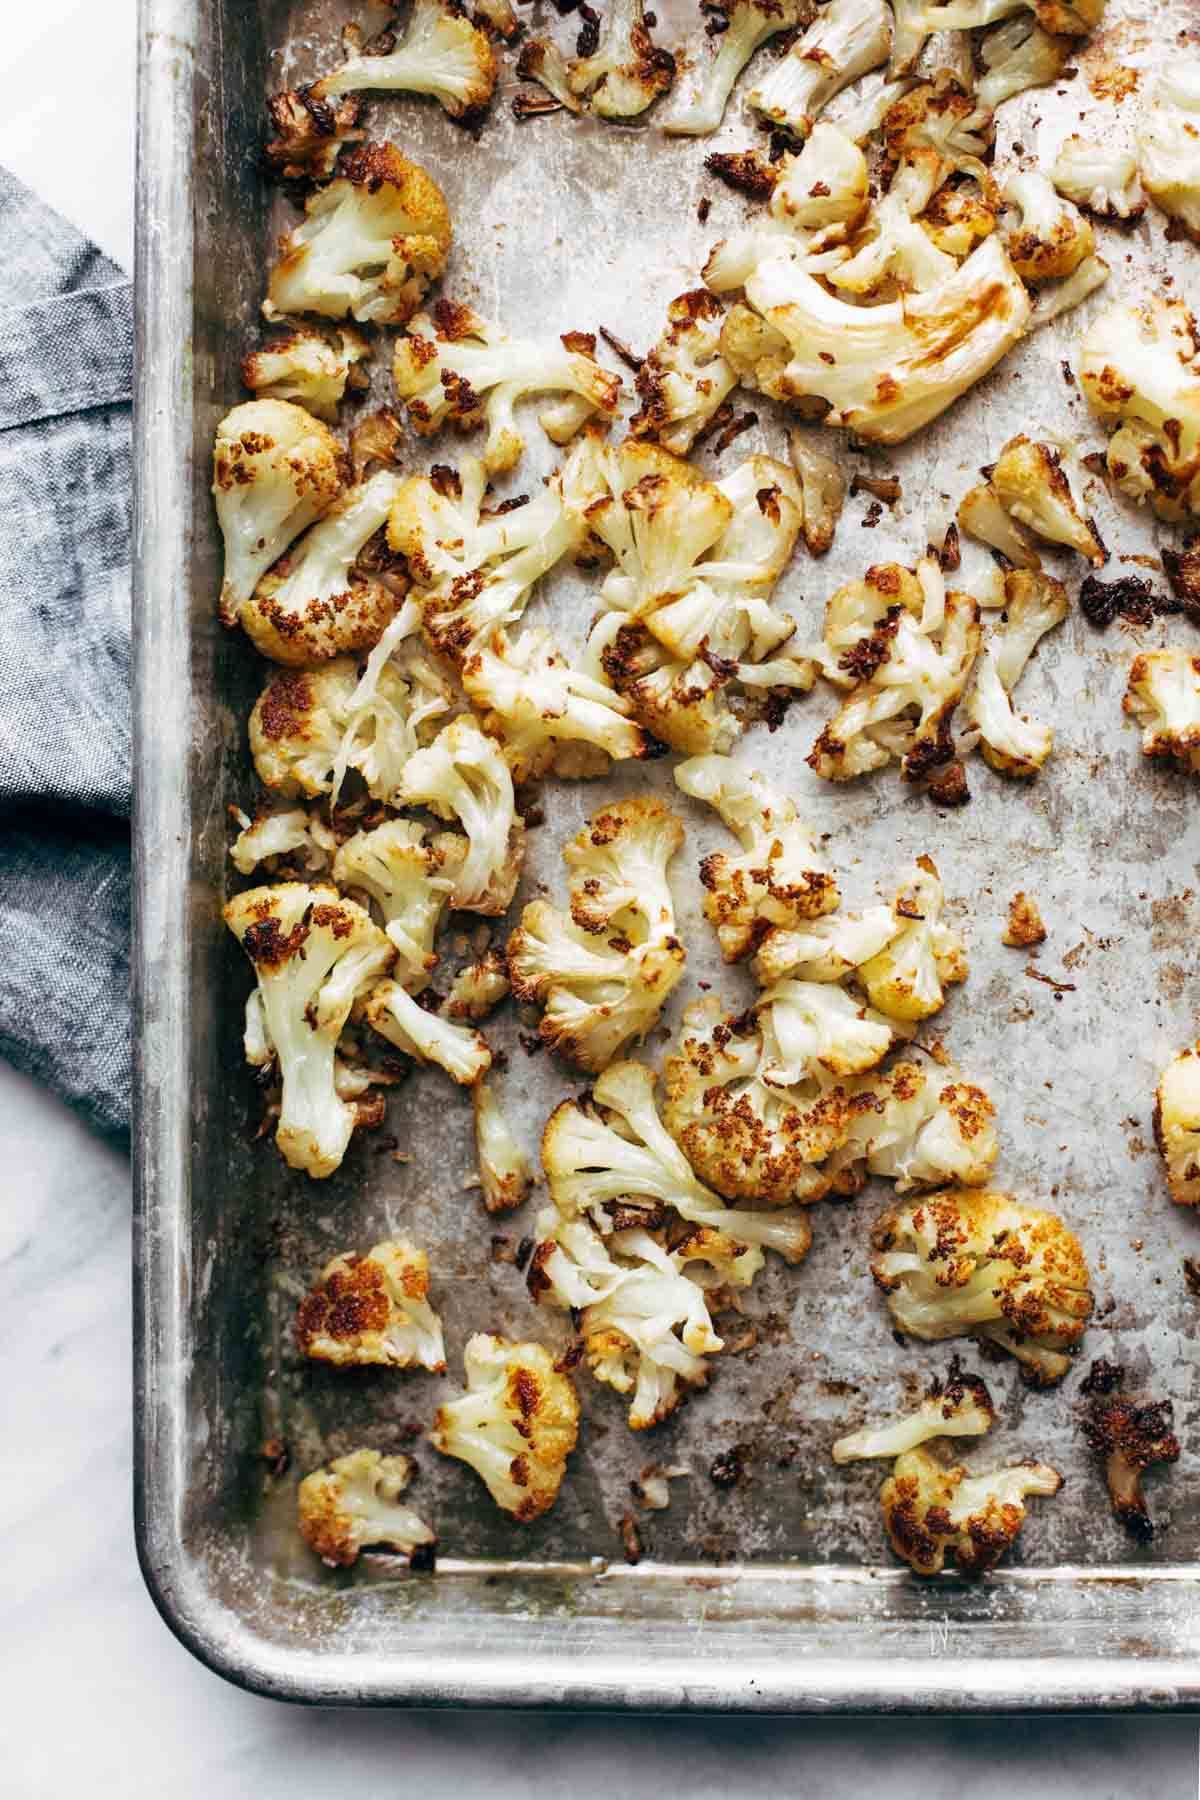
pixel 907 664
pixel 627 71
pixel 410 880
pixel 958 1407
pixel 982 1262
pixel 1053 237
pixel 611 1159
pixel 549 716
pixel 847 39
pixel 318 601
pixel 312 368
pixel 1010 742
pixel 354 1505
pixel 1140 369
pixel 643 1316
pixel 314 955
pixel 747 1135
pixel 1101 177
pixel 371 243
pixel 905 979
pixel 684 379
pixel 478 988
pixel 1030 483
pixel 310 134
pixel 1129 1438
pixel 1164 697
pixel 883 371
pixel 981 516
pixel 781 880
pixel 1070 18
pixel 916 1129
pixel 282 834
pixel 309 726
pixel 505 1172
pixel 745 25
pixel 1177 1125
pixel 1168 141
pixel 373 1309
pixel 930 1510
pixel 603 975
pixel 817 199
pixel 441 54
pixel 275 470
pixel 461 1051
pixel 823 491
pixel 515 1425
pixel 454 367
pixel 463 776
pixel 1016 56
pixel 826 949
pixel 817 1029
pixel 473 571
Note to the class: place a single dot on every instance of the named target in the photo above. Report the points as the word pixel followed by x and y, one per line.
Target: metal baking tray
pixel 778 1594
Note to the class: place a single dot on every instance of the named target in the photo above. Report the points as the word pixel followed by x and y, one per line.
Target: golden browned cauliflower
pixel 981 1262
pixel 354 1504
pixel 516 1424
pixel 930 1510
pixel 373 1309
pixel 1177 1125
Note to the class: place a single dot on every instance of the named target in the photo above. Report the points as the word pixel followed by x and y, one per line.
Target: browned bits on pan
pixel 1183 572
pixel 730 1466
pixel 631 1539
pixel 746 171
pixel 1132 597
pixel 1130 1437
pixel 948 786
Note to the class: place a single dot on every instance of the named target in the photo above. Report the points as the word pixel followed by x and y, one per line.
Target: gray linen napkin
pixel 66 370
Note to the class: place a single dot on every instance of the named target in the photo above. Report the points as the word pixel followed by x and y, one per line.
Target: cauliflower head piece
pixel 1139 369
pixel 603 975
pixel 323 598
pixel 463 776
pixel 516 1424
pixel 930 1511
pixel 1163 696
pixel 1012 743
pixel 371 243
pixel 1168 142
pixel 314 955
pixel 1101 177
pixel 781 879
pixel 1177 1125
pixel 745 25
pixel 312 368
pixel 550 717
pixel 454 367
pixel 373 1309
pixel 960 1406
pixel 355 1504
pixel 441 54
pixel 276 469
pixel 684 380
pixel 981 1262
pixel 410 878
pixel 846 39
pixel 505 1172
pixel 460 1050
pixel 627 71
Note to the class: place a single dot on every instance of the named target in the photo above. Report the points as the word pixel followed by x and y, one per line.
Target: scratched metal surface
pixel 779 1591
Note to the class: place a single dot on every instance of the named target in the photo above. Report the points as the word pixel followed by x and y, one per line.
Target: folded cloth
pixel 66 374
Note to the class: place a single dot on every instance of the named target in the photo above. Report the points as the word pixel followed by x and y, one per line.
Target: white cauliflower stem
pixel 1177 1126
pixel 441 54
pixel 515 1425
pixel 846 40
pixel 747 25
pixel 373 1309
pixel 355 1503
pixel 970 1261
pixel 959 1407
pixel 275 470
pixel 462 1052
pixel 603 975
pixel 371 243
pixel 454 366
pixel 505 1172
pixel 314 954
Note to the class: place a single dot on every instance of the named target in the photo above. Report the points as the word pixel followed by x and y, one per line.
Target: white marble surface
pixel 98 1697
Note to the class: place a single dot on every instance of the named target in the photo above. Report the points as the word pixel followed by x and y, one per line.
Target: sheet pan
pixel 778 1594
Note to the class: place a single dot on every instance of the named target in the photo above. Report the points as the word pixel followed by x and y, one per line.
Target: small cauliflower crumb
pixel 1025 926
